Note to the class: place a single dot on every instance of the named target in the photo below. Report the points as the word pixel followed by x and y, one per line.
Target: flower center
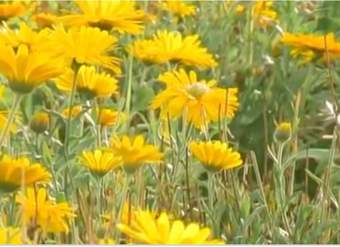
pixel 197 89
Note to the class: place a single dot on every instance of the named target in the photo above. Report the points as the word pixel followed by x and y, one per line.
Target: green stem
pixel 122 201
pixel 129 87
pixel 11 117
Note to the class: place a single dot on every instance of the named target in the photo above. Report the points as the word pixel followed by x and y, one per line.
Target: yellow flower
pixel 168 46
pixel 8 10
pixel 100 162
pixel 40 211
pixel 3 121
pixel 215 155
pixel 34 41
pixel 178 7
pixel 40 122
pixel 240 9
pixel 75 111
pixel 106 241
pixel 90 83
pixel 283 132
pixel 108 117
pixel 26 69
pixel 45 19
pixel 135 152
pixel 120 15
pixel 309 45
pixel 15 172
pixel 200 101
pixel 9 235
pixel 263 13
pixel 146 228
pixel 86 45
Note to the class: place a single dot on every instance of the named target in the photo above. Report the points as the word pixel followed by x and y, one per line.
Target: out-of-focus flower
pixel 85 45
pixel 39 211
pixel 147 228
pixel 120 15
pixel 100 162
pixel 75 111
pixel 178 7
pixel 264 13
pixel 135 152
pixel 310 46
pixel 40 122
pixel 283 132
pixel 109 117
pixel 215 155
pixel 3 121
pixel 168 46
pixel 10 235
pixel 45 19
pixel 199 101
pixel 89 82
pixel 9 10
pixel 16 172
pixel 25 69
pixel 35 41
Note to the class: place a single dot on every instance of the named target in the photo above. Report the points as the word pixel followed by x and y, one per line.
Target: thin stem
pixel 129 87
pixel 11 117
pixel 122 201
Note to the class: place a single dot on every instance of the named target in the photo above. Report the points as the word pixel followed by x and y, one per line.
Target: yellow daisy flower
pixel 25 36
pixel 8 10
pixel 135 152
pixel 146 228
pixel 215 155
pixel 168 46
pixel 90 83
pixel 75 43
pixel 10 235
pixel 310 45
pixel 120 15
pixel 200 101
pixel 26 69
pixel 178 7
pixel 3 121
pixel 100 162
pixel 15 171
pixel 45 19
pixel 109 117
pixel 264 13
pixel 75 111
pixel 40 122
pixel 40 211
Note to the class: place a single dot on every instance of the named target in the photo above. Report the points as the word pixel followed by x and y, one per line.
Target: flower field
pixel 169 122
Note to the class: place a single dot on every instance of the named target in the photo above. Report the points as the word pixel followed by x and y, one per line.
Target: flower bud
pixel 40 122
pixel 283 132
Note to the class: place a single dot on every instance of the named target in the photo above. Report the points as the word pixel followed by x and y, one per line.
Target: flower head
pixel 85 45
pixel 215 155
pixel 34 41
pixel 100 162
pixel 309 46
pixel 10 235
pixel 120 15
pixel 15 172
pixel 25 69
pixel 40 122
pixel 283 132
pixel 264 13
pixel 40 211
pixel 135 152
pixel 178 7
pixel 89 82
pixel 8 10
pixel 109 117
pixel 200 101
pixel 168 46
pixel 45 19
pixel 147 228
pixel 75 111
